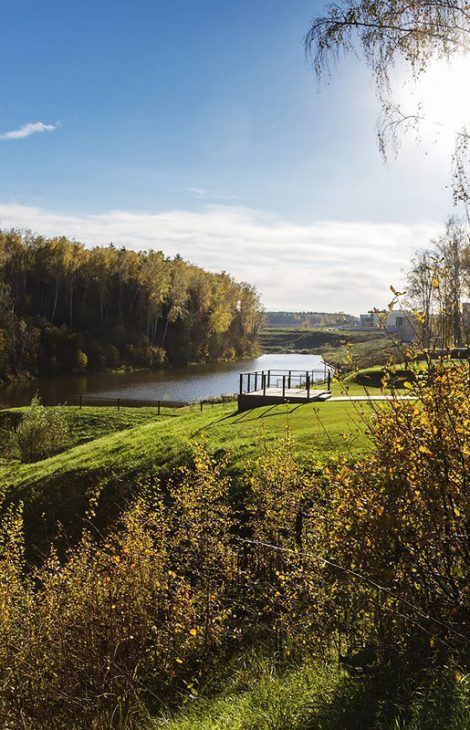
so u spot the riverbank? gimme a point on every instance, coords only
(195, 383)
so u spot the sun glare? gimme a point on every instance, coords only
(442, 96)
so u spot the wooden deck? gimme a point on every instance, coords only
(273, 396)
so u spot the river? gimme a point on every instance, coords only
(193, 383)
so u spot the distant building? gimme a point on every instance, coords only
(369, 321)
(397, 322)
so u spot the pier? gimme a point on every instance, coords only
(270, 387)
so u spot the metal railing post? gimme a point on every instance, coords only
(241, 383)
(249, 382)
(283, 386)
(290, 376)
(264, 384)
(308, 386)
(269, 378)
(329, 380)
(256, 380)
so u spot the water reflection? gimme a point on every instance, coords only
(182, 384)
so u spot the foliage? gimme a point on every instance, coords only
(436, 281)
(136, 612)
(41, 432)
(64, 307)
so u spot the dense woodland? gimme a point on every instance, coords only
(64, 307)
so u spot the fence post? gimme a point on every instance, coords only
(283, 386)
(249, 381)
(269, 378)
(329, 380)
(289, 381)
(119, 404)
(308, 386)
(202, 404)
(256, 380)
(264, 383)
(158, 408)
(241, 383)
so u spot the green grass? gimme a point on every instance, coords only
(257, 695)
(158, 441)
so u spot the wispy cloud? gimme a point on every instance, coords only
(324, 265)
(27, 130)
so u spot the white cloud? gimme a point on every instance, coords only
(326, 265)
(27, 130)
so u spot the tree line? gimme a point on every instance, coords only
(309, 319)
(65, 307)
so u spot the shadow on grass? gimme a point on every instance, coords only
(266, 413)
(384, 700)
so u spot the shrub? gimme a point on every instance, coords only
(41, 432)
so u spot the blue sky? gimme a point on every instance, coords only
(197, 127)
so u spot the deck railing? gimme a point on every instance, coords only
(285, 380)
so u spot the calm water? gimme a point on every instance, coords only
(182, 384)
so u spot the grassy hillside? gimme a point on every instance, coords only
(116, 450)
(104, 439)
(288, 339)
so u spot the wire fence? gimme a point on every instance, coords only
(159, 405)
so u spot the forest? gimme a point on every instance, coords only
(68, 308)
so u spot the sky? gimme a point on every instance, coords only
(198, 128)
